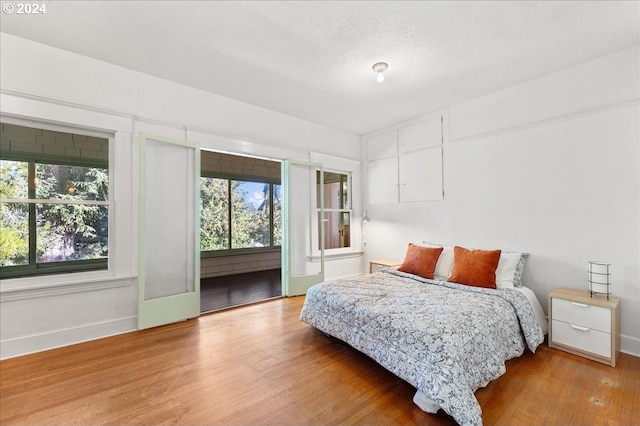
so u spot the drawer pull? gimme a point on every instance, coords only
(577, 327)
(582, 305)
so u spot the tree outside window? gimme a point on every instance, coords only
(239, 214)
(52, 215)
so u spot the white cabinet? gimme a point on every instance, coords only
(382, 156)
(585, 325)
(426, 133)
(383, 146)
(405, 164)
(383, 181)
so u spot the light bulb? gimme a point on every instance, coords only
(380, 67)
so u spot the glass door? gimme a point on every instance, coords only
(303, 227)
(169, 263)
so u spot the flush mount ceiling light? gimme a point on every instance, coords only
(380, 67)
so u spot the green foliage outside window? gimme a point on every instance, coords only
(64, 225)
(214, 214)
(237, 214)
(14, 229)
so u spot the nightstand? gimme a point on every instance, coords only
(585, 325)
(374, 265)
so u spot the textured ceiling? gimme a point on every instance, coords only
(313, 59)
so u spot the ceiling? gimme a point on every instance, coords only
(312, 59)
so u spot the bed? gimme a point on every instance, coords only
(445, 339)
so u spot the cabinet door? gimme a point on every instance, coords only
(421, 175)
(382, 146)
(420, 160)
(383, 181)
(406, 165)
(420, 135)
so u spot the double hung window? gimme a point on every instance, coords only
(54, 202)
(337, 209)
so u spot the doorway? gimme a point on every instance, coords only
(241, 230)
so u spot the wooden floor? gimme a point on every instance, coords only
(260, 365)
(240, 289)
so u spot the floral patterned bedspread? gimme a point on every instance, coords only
(445, 339)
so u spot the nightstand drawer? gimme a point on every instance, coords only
(581, 314)
(582, 338)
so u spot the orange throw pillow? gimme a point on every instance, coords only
(474, 267)
(420, 260)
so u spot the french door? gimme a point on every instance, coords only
(169, 226)
(303, 227)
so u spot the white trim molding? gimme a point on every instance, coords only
(15, 290)
(29, 344)
(630, 345)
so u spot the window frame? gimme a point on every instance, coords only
(244, 250)
(35, 269)
(349, 209)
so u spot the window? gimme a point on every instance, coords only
(239, 214)
(337, 209)
(54, 208)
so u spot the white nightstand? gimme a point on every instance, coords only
(374, 265)
(585, 325)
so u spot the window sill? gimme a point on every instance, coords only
(31, 288)
(338, 256)
(239, 252)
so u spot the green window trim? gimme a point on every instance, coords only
(50, 268)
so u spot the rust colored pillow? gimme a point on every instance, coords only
(474, 267)
(420, 260)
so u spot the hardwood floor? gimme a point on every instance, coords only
(260, 365)
(240, 289)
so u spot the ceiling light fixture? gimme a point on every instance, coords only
(380, 67)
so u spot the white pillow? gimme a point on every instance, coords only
(510, 269)
(445, 261)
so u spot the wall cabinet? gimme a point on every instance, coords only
(382, 162)
(405, 164)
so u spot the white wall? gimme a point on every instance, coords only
(57, 87)
(550, 167)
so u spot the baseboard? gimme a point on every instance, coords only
(630, 345)
(237, 272)
(12, 348)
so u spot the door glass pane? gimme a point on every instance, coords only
(169, 233)
(214, 214)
